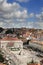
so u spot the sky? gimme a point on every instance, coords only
(21, 13)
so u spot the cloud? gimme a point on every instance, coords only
(14, 15)
(40, 20)
(31, 14)
(39, 25)
(40, 16)
(11, 13)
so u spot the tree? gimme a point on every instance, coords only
(1, 58)
(9, 32)
(1, 29)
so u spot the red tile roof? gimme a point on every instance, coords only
(10, 39)
(2, 64)
(33, 64)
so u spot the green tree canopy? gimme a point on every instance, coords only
(9, 32)
(1, 58)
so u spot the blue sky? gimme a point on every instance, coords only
(25, 13)
(32, 5)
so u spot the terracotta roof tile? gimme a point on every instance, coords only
(2, 64)
(9, 39)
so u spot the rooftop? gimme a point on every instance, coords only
(2, 64)
(8, 38)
